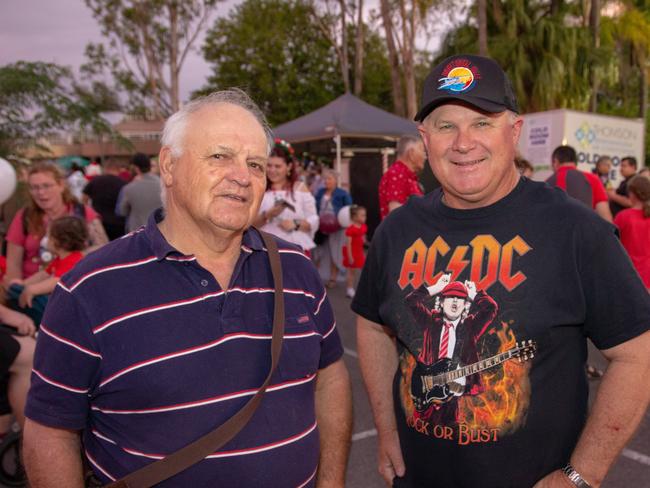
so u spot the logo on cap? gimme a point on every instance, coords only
(459, 76)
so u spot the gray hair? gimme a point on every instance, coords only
(405, 143)
(175, 125)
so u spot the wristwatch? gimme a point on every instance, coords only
(296, 224)
(575, 477)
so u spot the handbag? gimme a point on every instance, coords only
(196, 451)
(328, 223)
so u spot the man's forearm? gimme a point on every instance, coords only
(334, 415)
(378, 361)
(52, 457)
(620, 404)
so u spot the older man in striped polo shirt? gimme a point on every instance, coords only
(158, 338)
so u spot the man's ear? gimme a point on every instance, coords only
(166, 163)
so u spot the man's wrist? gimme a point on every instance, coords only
(574, 477)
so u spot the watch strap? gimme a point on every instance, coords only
(575, 477)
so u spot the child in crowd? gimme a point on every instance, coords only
(353, 255)
(66, 240)
(634, 226)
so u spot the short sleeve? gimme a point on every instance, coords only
(66, 365)
(600, 195)
(617, 302)
(15, 233)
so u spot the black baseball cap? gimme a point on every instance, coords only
(475, 80)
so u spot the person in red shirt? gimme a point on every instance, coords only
(401, 180)
(353, 255)
(634, 226)
(584, 187)
(67, 238)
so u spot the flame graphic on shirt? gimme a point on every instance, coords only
(506, 396)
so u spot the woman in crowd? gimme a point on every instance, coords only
(329, 201)
(50, 198)
(634, 226)
(288, 209)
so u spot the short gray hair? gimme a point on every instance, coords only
(177, 122)
(405, 143)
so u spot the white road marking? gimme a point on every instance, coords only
(636, 456)
(364, 435)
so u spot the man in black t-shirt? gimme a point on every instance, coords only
(537, 261)
(102, 192)
(619, 199)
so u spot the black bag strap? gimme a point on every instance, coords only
(199, 449)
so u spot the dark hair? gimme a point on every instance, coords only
(640, 186)
(631, 159)
(355, 209)
(283, 150)
(142, 162)
(69, 233)
(565, 154)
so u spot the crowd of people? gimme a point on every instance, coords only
(489, 267)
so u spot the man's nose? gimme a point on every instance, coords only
(463, 142)
(240, 172)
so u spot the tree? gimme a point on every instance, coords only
(39, 99)
(547, 58)
(403, 22)
(274, 50)
(147, 44)
(482, 27)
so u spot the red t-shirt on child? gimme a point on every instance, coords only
(356, 233)
(58, 267)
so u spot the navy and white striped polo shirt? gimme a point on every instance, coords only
(142, 349)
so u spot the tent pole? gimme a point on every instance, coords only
(337, 167)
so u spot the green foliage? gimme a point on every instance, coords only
(273, 50)
(39, 99)
(146, 44)
(546, 57)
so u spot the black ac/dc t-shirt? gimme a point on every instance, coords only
(547, 273)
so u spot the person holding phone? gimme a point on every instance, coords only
(288, 209)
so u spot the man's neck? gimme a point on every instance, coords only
(217, 250)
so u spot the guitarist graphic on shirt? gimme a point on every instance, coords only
(451, 329)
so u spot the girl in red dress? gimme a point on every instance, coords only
(353, 255)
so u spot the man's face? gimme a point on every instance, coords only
(627, 169)
(452, 307)
(472, 153)
(220, 177)
(418, 156)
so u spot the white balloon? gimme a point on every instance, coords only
(344, 217)
(7, 180)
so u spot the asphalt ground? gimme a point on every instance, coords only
(632, 468)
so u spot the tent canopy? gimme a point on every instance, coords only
(347, 116)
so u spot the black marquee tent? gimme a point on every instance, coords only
(347, 116)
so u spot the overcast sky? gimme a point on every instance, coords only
(58, 30)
